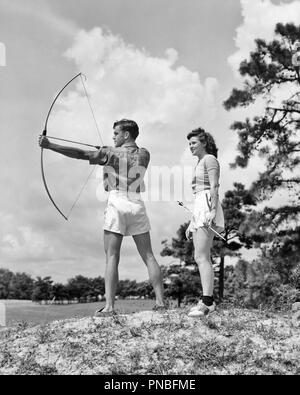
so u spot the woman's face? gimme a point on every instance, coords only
(197, 147)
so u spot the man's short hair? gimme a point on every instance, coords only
(129, 126)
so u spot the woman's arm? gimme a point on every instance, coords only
(213, 170)
(214, 188)
(71, 152)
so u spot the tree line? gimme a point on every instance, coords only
(81, 289)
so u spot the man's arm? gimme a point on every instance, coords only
(71, 152)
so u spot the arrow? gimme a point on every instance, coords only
(207, 226)
(74, 142)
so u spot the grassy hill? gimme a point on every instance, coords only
(230, 341)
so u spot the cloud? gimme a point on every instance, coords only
(21, 243)
(39, 10)
(259, 20)
(124, 81)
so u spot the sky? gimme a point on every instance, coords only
(168, 64)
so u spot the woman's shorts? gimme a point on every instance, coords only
(202, 207)
(126, 214)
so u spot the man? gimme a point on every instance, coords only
(125, 215)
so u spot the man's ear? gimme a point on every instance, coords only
(126, 135)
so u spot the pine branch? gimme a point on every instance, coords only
(284, 110)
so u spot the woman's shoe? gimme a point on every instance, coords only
(201, 310)
(197, 306)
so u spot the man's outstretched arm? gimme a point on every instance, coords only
(71, 152)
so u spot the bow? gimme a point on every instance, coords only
(45, 134)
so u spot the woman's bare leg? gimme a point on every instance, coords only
(203, 239)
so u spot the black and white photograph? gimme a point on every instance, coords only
(150, 190)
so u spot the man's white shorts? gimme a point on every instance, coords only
(126, 214)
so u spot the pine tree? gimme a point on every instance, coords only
(272, 71)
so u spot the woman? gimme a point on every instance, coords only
(207, 213)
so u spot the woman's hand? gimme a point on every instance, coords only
(44, 142)
(210, 218)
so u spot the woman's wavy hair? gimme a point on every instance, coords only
(207, 138)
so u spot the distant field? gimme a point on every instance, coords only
(35, 314)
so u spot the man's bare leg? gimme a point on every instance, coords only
(143, 243)
(112, 246)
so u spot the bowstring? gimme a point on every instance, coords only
(81, 191)
(91, 107)
(99, 133)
